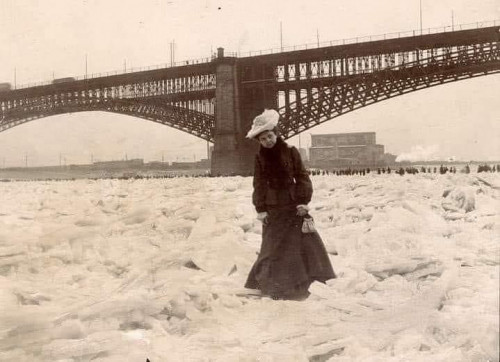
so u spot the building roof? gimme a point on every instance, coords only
(342, 134)
(341, 146)
(346, 146)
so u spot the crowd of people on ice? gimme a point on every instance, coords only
(402, 170)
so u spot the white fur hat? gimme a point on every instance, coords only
(264, 122)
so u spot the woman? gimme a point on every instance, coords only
(289, 260)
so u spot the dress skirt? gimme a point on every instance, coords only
(289, 260)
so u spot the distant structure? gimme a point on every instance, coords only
(139, 164)
(347, 149)
(116, 165)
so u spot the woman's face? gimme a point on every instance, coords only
(267, 139)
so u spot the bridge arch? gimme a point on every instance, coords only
(198, 124)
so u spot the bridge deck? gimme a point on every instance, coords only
(403, 44)
(422, 42)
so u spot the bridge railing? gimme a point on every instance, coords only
(364, 39)
(124, 71)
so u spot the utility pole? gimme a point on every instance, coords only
(172, 53)
(91, 158)
(26, 159)
(281, 35)
(60, 159)
(420, 17)
(86, 65)
(317, 36)
(125, 65)
(452, 21)
(162, 157)
(15, 78)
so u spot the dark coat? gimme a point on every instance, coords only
(289, 260)
(277, 169)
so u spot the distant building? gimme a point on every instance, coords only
(157, 165)
(115, 165)
(345, 149)
(204, 163)
(389, 158)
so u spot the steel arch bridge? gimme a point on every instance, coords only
(216, 99)
(334, 99)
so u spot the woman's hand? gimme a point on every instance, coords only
(262, 216)
(302, 210)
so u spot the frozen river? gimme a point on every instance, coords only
(124, 270)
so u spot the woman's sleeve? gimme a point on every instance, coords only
(303, 184)
(259, 187)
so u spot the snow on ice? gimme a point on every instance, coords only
(124, 270)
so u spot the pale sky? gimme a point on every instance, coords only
(45, 39)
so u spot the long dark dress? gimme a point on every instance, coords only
(289, 260)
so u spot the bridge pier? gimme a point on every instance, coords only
(234, 154)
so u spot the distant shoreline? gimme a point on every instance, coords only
(60, 173)
(146, 166)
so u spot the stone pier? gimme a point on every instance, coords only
(236, 107)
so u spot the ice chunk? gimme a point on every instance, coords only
(91, 347)
(69, 329)
(459, 199)
(225, 251)
(177, 308)
(137, 216)
(8, 298)
(89, 221)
